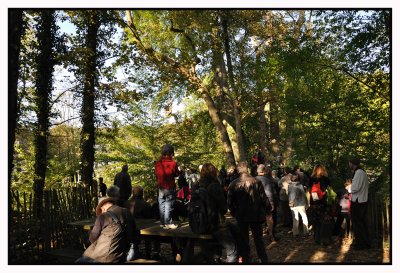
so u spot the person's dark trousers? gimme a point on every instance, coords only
(338, 224)
(275, 217)
(257, 230)
(286, 214)
(360, 224)
(317, 231)
(166, 200)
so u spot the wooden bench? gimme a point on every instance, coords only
(143, 261)
(64, 255)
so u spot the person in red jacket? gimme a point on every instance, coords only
(166, 171)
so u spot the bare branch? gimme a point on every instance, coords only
(64, 121)
(62, 93)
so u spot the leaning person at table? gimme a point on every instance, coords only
(133, 253)
(111, 234)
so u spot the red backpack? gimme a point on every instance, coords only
(316, 192)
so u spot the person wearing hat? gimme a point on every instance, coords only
(359, 204)
(111, 234)
(166, 170)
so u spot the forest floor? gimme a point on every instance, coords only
(291, 249)
(298, 250)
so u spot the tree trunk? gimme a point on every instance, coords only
(44, 85)
(274, 122)
(236, 106)
(164, 61)
(223, 133)
(263, 129)
(15, 31)
(90, 75)
(289, 127)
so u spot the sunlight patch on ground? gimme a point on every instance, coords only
(344, 249)
(318, 257)
(291, 254)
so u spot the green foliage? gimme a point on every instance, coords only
(330, 70)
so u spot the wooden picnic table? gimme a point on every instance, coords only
(150, 229)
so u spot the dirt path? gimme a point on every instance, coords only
(290, 249)
(297, 250)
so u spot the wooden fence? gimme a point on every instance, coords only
(29, 237)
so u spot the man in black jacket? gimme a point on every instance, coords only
(271, 198)
(247, 202)
(124, 183)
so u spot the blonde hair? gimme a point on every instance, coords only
(319, 171)
(348, 182)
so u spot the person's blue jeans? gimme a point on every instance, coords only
(224, 236)
(166, 200)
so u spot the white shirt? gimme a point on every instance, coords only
(359, 187)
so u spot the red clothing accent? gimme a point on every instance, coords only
(166, 171)
(184, 193)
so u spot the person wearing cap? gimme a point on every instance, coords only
(271, 205)
(359, 204)
(111, 234)
(124, 183)
(166, 170)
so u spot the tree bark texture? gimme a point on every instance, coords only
(15, 31)
(44, 85)
(88, 100)
(223, 133)
(274, 122)
(236, 106)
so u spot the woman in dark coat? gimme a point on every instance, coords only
(318, 206)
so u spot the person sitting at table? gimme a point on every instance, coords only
(141, 209)
(111, 234)
(222, 230)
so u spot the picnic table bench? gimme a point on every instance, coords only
(151, 230)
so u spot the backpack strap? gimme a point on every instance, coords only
(113, 216)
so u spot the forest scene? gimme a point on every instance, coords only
(91, 90)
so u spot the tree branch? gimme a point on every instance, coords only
(349, 74)
(62, 93)
(197, 60)
(62, 122)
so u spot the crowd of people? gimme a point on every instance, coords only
(228, 204)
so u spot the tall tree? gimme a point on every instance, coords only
(15, 31)
(46, 34)
(186, 70)
(88, 102)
